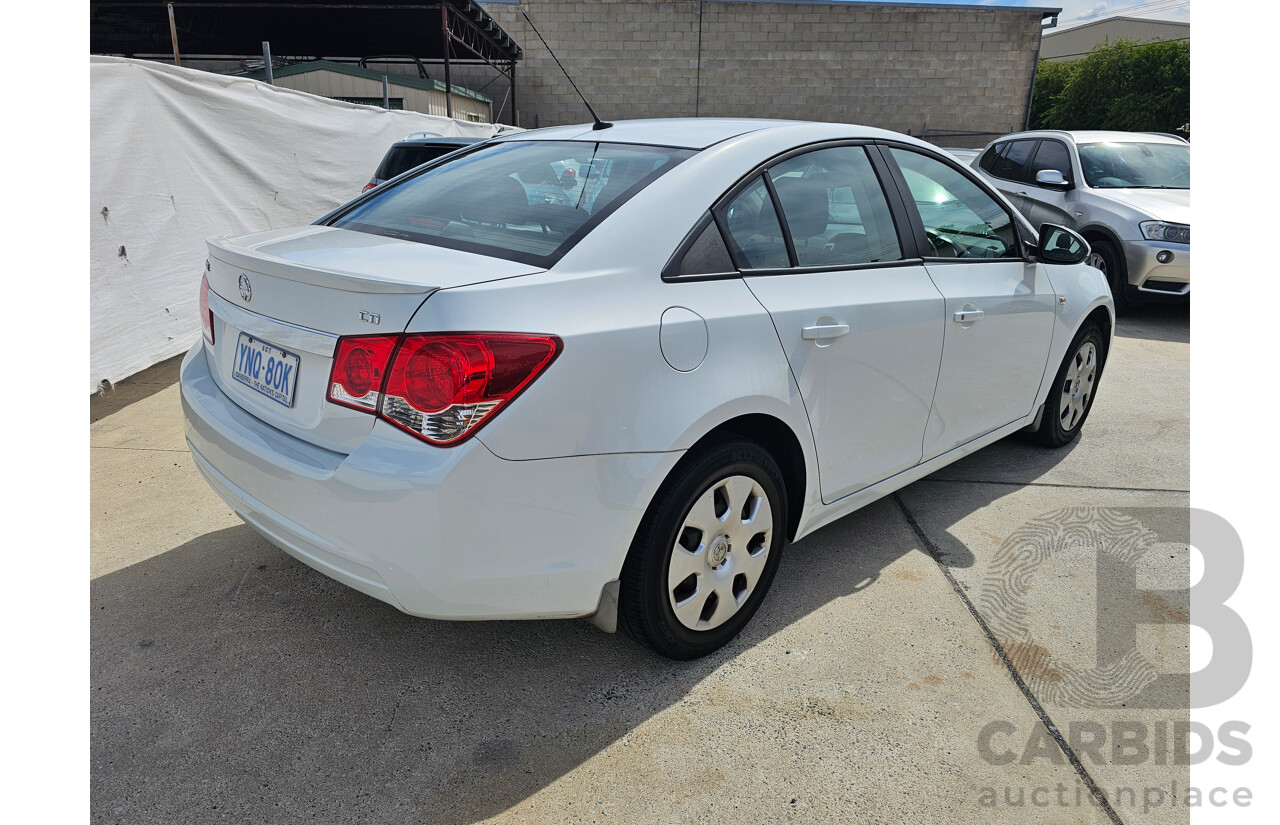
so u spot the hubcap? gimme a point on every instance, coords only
(720, 553)
(1077, 386)
(1097, 262)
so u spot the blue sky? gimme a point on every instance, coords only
(1076, 12)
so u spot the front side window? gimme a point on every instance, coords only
(527, 201)
(753, 224)
(1052, 154)
(960, 219)
(1136, 165)
(835, 209)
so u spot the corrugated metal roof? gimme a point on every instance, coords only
(426, 84)
(1077, 41)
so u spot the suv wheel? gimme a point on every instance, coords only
(1103, 256)
(706, 552)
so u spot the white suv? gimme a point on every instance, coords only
(1127, 193)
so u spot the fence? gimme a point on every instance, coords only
(958, 138)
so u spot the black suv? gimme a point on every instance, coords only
(412, 152)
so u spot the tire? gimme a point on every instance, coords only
(1103, 256)
(730, 562)
(1075, 386)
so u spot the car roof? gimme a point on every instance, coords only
(1095, 136)
(684, 133)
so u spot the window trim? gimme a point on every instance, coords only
(907, 243)
(913, 214)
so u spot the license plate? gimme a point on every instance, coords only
(267, 369)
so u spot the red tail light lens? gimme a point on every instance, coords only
(441, 387)
(359, 370)
(206, 317)
(444, 387)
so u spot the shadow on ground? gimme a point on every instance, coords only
(265, 684)
(1157, 322)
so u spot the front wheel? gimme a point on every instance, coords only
(706, 552)
(1072, 394)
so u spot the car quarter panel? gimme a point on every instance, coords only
(387, 518)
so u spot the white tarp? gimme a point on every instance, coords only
(178, 155)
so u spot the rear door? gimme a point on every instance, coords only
(1010, 170)
(857, 315)
(1000, 307)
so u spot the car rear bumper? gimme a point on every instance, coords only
(1153, 280)
(454, 533)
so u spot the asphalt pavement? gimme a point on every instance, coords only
(972, 649)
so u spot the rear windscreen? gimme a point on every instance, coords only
(527, 201)
(401, 159)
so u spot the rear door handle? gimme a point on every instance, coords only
(967, 316)
(1023, 194)
(820, 332)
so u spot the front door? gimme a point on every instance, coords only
(1000, 308)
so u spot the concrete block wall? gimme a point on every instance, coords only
(896, 67)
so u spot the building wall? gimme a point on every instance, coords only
(896, 67)
(1072, 44)
(334, 84)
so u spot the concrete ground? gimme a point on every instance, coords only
(231, 683)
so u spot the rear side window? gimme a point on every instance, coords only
(835, 209)
(1052, 154)
(526, 201)
(707, 255)
(991, 156)
(401, 159)
(1013, 163)
(753, 225)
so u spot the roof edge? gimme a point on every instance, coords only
(426, 85)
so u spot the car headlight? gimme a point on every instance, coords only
(1161, 231)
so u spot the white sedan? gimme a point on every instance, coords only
(472, 401)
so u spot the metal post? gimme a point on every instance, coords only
(173, 32)
(448, 45)
(266, 62)
(515, 116)
(386, 93)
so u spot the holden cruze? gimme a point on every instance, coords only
(473, 404)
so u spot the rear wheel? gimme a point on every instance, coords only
(706, 552)
(1071, 396)
(1104, 257)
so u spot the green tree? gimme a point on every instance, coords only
(1138, 87)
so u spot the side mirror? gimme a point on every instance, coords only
(1052, 179)
(1059, 245)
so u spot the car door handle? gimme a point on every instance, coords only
(822, 331)
(967, 316)
(1023, 193)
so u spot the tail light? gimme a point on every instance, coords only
(441, 387)
(359, 369)
(367, 187)
(206, 317)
